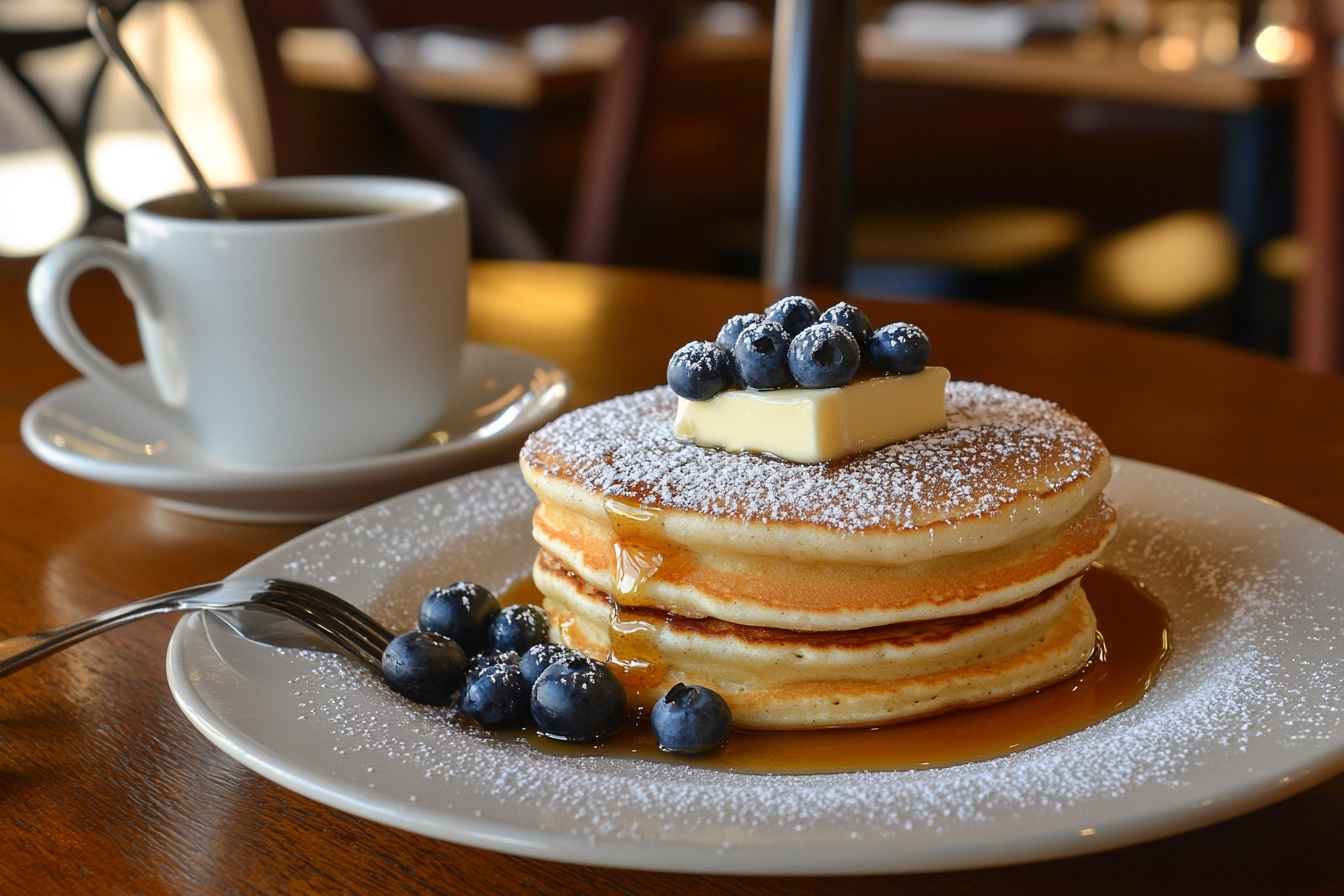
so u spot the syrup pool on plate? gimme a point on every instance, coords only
(1132, 643)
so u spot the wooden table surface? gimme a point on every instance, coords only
(105, 787)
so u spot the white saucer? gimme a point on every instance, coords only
(87, 430)
(1249, 709)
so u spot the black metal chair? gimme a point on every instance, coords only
(17, 42)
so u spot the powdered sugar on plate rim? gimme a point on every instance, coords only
(1249, 709)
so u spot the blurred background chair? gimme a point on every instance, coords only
(1318, 324)
(499, 227)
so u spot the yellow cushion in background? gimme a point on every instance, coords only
(1284, 258)
(1163, 267)
(984, 239)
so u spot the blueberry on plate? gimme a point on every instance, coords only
(691, 720)
(728, 333)
(499, 696)
(488, 658)
(822, 356)
(539, 658)
(899, 348)
(700, 370)
(519, 627)
(577, 699)
(852, 319)
(424, 667)
(794, 313)
(462, 611)
(762, 355)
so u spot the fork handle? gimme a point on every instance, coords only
(20, 650)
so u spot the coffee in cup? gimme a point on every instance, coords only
(325, 324)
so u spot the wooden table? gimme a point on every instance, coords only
(105, 787)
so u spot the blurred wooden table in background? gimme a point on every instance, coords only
(105, 787)
(519, 77)
(1255, 107)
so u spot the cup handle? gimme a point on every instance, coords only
(49, 297)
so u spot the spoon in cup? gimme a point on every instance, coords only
(103, 26)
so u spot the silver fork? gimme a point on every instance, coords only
(234, 601)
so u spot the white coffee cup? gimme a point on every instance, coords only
(283, 342)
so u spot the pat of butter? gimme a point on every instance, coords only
(809, 426)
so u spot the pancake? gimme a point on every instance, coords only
(784, 592)
(773, 678)
(931, 574)
(1007, 467)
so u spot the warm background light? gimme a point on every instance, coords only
(1281, 45)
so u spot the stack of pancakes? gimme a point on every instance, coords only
(935, 573)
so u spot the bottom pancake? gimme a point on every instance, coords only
(773, 678)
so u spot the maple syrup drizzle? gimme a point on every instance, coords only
(639, 549)
(1132, 643)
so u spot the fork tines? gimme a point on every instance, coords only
(355, 617)
(332, 624)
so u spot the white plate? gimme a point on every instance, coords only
(87, 430)
(1249, 710)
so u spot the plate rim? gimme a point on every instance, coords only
(748, 859)
(227, 478)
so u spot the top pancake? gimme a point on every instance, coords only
(1007, 466)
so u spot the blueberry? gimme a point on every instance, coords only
(485, 659)
(700, 370)
(736, 324)
(462, 611)
(852, 319)
(498, 697)
(691, 720)
(539, 658)
(519, 627)
(762, 355)
(577, 699)
(794, 313)
(822, 356)
(424, 667)
(899, 348)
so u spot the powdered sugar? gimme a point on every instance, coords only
(702, 357)
(998, 444)
(1254, 689)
